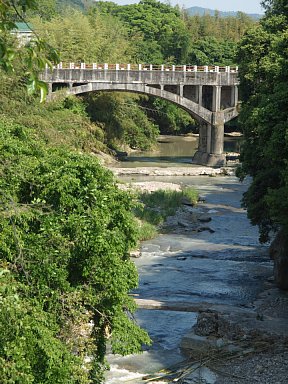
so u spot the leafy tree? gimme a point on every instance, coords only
(211, 50)
(66, 232)
(125, 123)
(46, 9)
(160, 26)
(78, 37)
(263, 73)
(36, 55)
(171, 119)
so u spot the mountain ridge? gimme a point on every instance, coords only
(193, 11)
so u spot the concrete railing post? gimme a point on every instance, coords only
(139, 67)
(205, 68)
(71, 65)
(106, 66)
(128, 67)
(184, 68)
(173, 68)
(117, 67)
(162, 67)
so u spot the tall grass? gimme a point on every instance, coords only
(155, 207)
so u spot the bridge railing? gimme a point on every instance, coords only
(146, 67)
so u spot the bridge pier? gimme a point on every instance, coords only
(211, 143)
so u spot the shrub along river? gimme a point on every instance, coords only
(222, 264)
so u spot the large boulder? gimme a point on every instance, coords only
(279, 253)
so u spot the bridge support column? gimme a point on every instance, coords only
(216, 101)
(211, 143)
(199, 94)
(234, 96)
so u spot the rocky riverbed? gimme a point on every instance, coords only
(233, 341)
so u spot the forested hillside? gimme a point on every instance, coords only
(65, 228)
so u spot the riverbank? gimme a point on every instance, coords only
(193, 170)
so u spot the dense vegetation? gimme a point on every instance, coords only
(66, 232)
(262, 59)
(65, 228)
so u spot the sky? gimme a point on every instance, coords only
(247, 6)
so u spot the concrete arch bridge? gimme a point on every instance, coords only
(208, 93)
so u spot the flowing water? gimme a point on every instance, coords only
(223, 265)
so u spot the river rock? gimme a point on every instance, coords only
(135, 254)
(202, 229)
(279, 253)
(186, 201)
(183, 224)
(201, 199)
(215, 324)
(204, 218)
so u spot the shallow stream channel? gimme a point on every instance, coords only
(221, 264)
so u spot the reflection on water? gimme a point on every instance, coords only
(174, 150)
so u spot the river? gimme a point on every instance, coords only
(223, 265)
(174, 151)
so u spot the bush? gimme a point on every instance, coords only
(65, 234)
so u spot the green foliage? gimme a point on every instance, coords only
(263, 73)
(62, 122)
(66, 232)
(36, 55)
(78, 37)
(170, 118)
(146, 230)
(156, 206)
(159, 27)
(212, 50)
(125, 123)
(230, 29)
(30, 350)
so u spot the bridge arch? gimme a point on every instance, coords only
(200, 113)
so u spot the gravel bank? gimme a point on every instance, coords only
(171, 171)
